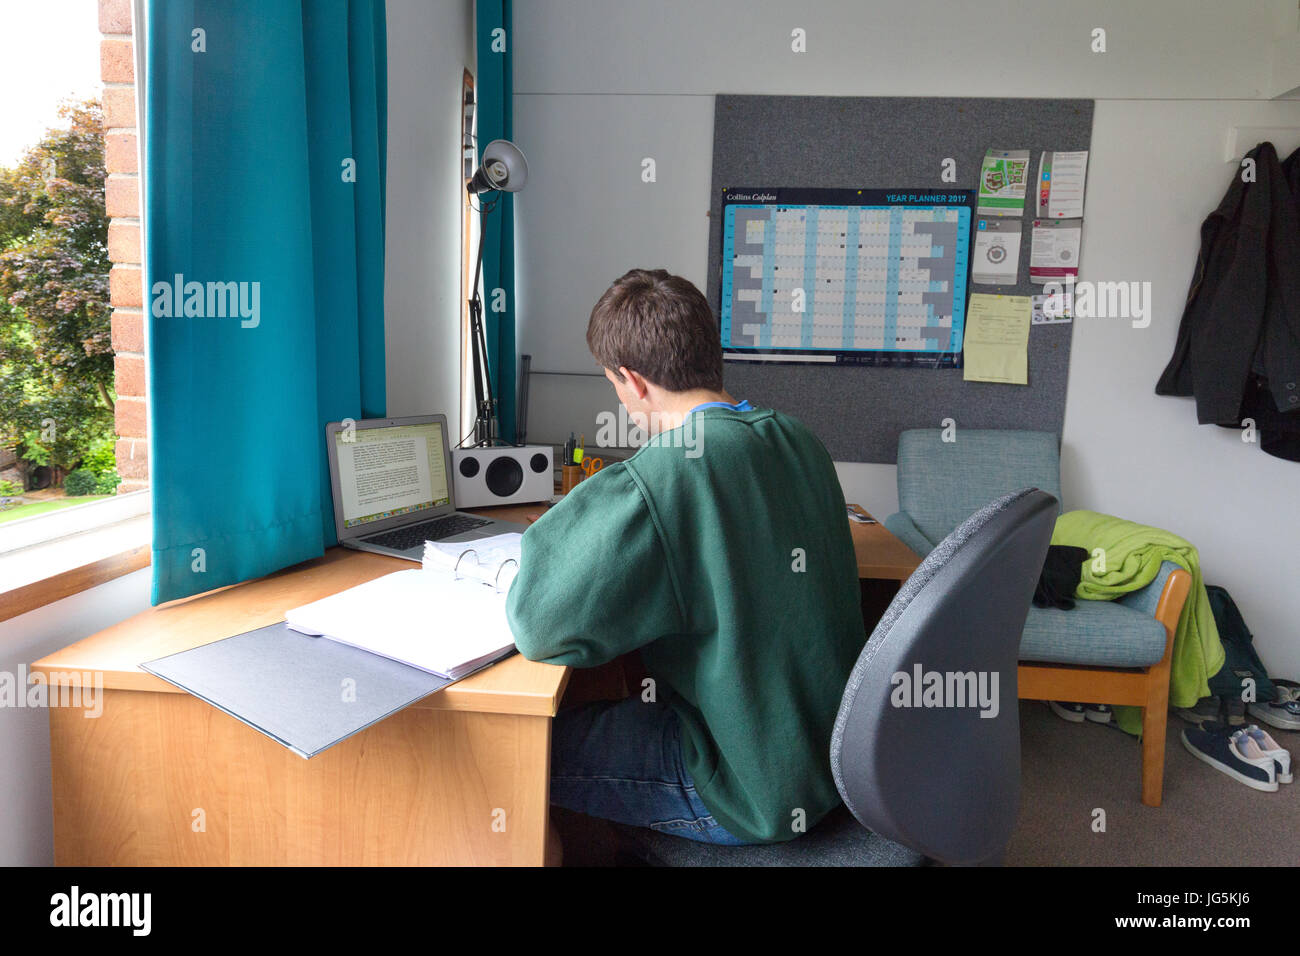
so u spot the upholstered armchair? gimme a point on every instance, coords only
(1105, 652)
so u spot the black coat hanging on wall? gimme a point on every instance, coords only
(1238, 348)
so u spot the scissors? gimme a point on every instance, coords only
(592, 465)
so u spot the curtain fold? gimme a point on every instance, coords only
(264, 232)
(495, 83)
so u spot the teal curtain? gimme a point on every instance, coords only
(495, 88)
(265, 138)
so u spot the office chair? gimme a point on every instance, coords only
(939, 783)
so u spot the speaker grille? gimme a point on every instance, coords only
(504, 476)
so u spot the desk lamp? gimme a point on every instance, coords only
(503, 169)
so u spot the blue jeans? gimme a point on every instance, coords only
(622, 761)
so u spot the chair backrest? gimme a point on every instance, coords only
(941, 483)
(926, 745)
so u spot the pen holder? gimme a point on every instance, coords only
(570, 475)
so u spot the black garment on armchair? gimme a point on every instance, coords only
(1240, 331)
(1062, 572)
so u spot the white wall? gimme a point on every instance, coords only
(600, 85)
(430, 44)
(1155, 48)
(1132, 453)
(1286, 54)
(26, 812)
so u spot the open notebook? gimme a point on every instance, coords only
(447, 617)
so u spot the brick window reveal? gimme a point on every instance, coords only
(122, 199)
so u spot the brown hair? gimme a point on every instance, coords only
(660, 326)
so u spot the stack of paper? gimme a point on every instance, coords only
(419, 617)
(493, 561)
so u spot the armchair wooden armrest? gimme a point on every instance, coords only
(1145, 687)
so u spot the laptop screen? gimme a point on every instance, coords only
(390, 471)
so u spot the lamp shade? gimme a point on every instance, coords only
(504, 167)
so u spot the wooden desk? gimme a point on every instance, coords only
(432, 784)
(461, 777)
(884, 563)
(881, 556)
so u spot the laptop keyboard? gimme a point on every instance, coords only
(412, 536)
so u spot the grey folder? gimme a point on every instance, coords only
(293, 688)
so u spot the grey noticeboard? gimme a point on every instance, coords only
(893, 143)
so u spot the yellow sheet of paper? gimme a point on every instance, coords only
(995, 347)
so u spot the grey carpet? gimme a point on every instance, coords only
(1068, 771)
(1207, 818)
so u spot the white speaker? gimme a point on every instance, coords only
(502, 476)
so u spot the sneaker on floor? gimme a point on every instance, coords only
(1234, 709)
(1220, 750)
(1248, 748)
(1283, 712)
(1268, 746)
(1206, 711)
(1097, 713)
(1067, 710)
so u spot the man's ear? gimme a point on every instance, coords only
(636, 382)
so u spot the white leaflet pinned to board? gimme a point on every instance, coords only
(996, 260)
(1052, 309)
(1054, 250)
(1061, 179)
(1004, 175)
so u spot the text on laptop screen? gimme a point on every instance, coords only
(386, 472)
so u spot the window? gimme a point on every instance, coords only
(73, 452)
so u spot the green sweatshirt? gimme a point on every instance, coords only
(722, 550)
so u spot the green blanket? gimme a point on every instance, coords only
(1133, 554)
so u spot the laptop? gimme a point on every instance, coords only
(392, 485)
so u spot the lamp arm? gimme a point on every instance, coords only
(484, 424)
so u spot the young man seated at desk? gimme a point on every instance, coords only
(722, 551)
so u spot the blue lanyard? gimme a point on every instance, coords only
(740, 406)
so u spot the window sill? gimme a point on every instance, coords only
(43, 572)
